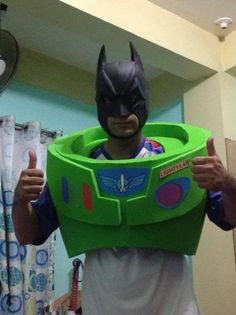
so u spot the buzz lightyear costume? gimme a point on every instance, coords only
(135, 219)
(144, 203)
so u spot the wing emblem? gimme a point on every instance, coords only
(122, 182)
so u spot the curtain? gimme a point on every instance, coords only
(26, 272)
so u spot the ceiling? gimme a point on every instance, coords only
(202, 13)
(41, 26)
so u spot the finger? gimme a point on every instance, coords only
(32, 196)
(198, 169)
(200, 160)
(33, 189)
(202, 182)
(34, 180)
(200, 177)
(32, 159)
(211, 147)
(32, 172)
(203, 185)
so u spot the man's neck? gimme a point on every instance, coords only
(120, 149)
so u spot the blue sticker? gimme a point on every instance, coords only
(65, 189)
(172, 193)
(122, 182)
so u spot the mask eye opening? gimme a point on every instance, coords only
(134, 97)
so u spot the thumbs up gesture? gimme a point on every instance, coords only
(208, 171)
(32, 160)
(31, 181)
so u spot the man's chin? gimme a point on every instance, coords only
(124, 136)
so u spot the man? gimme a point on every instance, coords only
(126, 281)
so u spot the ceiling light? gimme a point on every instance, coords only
(223, 27)
(224, 22)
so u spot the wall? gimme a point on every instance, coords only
(55, 76)
(211, 105)
(58, 112)
(53, 110)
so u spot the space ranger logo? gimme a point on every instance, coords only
(174, 168)
(122, 182)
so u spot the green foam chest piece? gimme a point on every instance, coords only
(149, 202)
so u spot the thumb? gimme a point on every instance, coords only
(211, 147)
(32, 159)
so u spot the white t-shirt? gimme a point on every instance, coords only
(135, 281)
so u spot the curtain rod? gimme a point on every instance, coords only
(52, 134)
(25, 126)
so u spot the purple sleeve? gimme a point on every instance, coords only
(215, 210)
(46, 213)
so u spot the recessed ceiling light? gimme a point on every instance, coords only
(224, 22)
(223, 27)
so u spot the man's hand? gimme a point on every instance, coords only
(31, 181)
(208, 171)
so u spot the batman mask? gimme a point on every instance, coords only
(121, 89)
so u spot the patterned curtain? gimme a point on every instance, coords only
(26, 272)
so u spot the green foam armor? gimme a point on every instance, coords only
(149, 202)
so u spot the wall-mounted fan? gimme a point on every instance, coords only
(9, 54)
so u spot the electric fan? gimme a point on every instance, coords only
(9, 54)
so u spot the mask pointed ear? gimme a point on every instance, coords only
(102, 59)
(135, 56)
